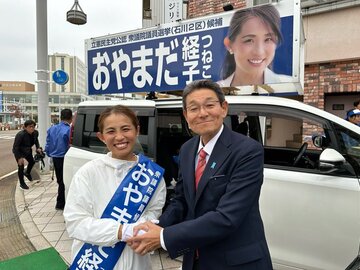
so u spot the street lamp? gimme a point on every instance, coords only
(76, 15)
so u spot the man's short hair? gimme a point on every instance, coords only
(203, 84)
(66, 114)
(29, 123)
(356, 103)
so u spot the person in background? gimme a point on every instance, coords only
(57, 144)
(357, 104)
(108, 195)
(214, 218)
(22, 149)
(353, 116)
(253, 36)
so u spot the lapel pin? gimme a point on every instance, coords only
(213, 165)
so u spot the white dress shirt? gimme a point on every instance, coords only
(269, 78)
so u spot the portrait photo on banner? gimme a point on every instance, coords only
(258, 48)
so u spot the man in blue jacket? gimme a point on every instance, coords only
(214, 218)
(57, 144)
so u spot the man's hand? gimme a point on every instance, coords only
(148, 241)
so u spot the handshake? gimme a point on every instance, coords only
(142, 237)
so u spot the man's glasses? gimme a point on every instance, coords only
(207, 106)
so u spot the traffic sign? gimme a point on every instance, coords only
(60, 77)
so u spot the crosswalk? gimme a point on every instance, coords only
(7, 137)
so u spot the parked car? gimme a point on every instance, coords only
(310, 199)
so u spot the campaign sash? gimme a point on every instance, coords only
(126, 206)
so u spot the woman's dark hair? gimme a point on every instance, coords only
(267, 13)
(202, 84)
(118, 109)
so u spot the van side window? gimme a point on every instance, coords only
(86, 125)
(142, 145)
(248, 124)
(349, 145)
(144, 124)
(90, 139)
(172, 132)
(287, 137)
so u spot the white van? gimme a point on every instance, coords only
(310, 199)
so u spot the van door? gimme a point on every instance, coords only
(172, 131)
(311, 217)
(86, 128)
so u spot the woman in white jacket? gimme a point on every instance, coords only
(94, 185)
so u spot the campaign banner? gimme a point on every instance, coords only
(169, 56)
(173, 10)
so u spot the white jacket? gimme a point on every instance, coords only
(90, 191)
(270, 77)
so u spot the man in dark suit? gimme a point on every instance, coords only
(213, 221)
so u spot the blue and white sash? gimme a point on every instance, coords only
(126, 206)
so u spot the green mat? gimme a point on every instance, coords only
(46, 259)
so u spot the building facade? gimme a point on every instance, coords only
(16, 86)
(332, 57)
(13, 97)
(74, 67)
(18, 105)
(19, 100)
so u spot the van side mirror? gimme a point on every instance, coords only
(319, 141)
(330, 160)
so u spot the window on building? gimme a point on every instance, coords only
(146, 9)
(62, 63)
(28, 99)
(260, 2)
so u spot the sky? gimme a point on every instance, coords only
(18, 31)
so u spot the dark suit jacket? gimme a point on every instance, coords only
(221, 219)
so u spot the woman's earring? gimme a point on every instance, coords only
(231, 51)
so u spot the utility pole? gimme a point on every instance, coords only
(42, 72)
(42, 69)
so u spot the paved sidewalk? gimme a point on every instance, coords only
(45, 226)
(13, 241)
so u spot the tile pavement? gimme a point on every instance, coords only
(13, 241)
(45, 226)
